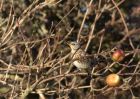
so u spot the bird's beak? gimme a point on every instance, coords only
(68, 43)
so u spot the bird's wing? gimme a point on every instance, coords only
(81, 56)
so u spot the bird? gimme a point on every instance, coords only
(80, 57)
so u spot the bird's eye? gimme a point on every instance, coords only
(73, 44)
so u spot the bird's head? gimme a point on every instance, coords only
(74, 45)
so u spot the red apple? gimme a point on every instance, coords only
(118, 55)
